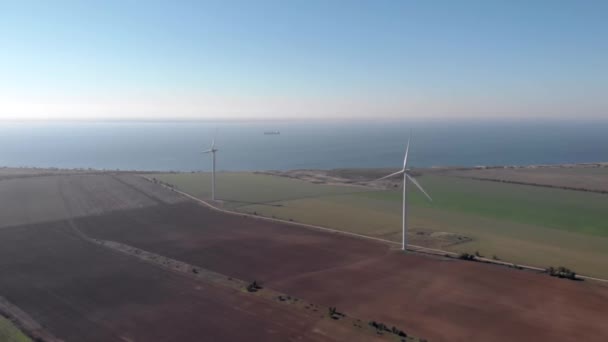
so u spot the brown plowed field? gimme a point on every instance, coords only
(83, 292)
(439, 299)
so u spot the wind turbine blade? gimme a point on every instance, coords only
(207, 151)
(419, 186)
(407, 150)
(400, 172)
(213, 141)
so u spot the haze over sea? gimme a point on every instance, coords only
(176, 146)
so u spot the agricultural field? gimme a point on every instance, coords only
(48, 198)
(584, 177)
(438, 298)
(57, 267)
(79, 290)
(13, 171)
(10, 333)
(239, 189)
(83, 292)
(517, 223)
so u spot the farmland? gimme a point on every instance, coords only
(82, 291)
(238, 189)
(440, 299)
(518, 223)
(48, 198)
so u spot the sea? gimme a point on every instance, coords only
(243, 145)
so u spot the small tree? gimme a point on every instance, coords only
(467, 256)
(254, 286)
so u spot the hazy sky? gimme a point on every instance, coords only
(300, 59)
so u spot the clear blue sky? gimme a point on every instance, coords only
(292, 59)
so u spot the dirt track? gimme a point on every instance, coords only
(440, 299)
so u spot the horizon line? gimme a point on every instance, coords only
(309, 119)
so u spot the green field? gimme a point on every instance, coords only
(241, 189)
(517, 223)
(10, 333)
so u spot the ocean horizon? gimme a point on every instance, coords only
(177, 145)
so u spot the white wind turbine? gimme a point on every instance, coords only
(212, 150)
(406, 176)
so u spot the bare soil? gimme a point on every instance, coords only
(437, 298)
(47, 198)
(347, 322)
(84, 292)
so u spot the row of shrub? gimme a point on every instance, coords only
(382, 327)
(472, 257)
(334, 313)
(562, 272)
(254, 286)
(379, 326)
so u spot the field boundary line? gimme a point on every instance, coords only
(540, 185)
(414, 248)
(172, 265)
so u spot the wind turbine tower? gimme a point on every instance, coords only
(406, 176)
(212, 150)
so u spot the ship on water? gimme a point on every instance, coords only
(272, 133)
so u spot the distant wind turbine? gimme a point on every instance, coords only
(406, 176)
(212, 150)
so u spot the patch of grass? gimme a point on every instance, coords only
(10, 333)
